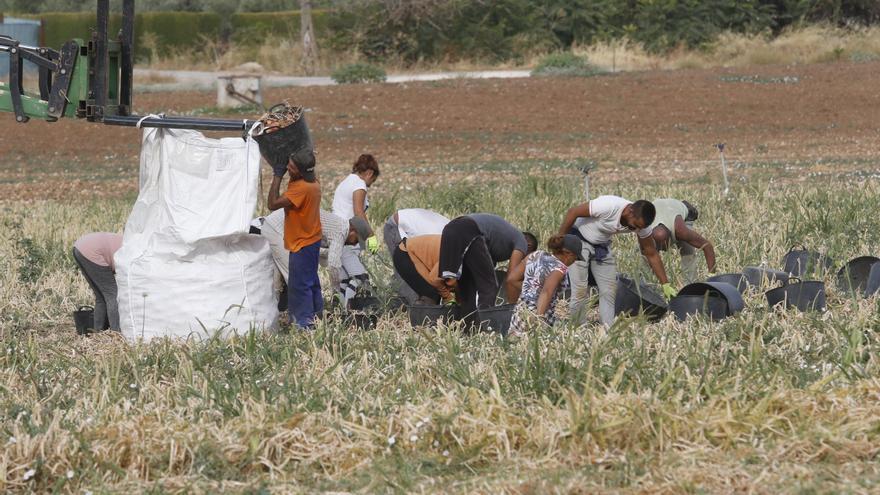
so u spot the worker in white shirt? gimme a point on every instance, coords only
(595, 222)
(350, 200)
(674, 227)
(336, 234)
(406, 223)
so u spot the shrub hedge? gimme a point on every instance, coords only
(179, 30)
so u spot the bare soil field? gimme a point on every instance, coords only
(785, 122)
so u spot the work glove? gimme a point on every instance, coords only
(372, 244)
(668, 290)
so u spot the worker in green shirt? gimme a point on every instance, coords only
(674, 226)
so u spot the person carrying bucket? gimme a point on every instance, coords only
(674, 225)
(93, 254)
(540, 279)
(349, 201)
(336, 233)
(594, 223)
(302, 236)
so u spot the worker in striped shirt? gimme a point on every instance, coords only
(336, 233)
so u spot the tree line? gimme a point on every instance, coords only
(415, 30)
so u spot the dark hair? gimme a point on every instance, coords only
(556, 243)
(366, 162)
(645, 210)
(531, 241)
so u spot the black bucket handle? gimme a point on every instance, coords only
(85, 308)
(801, 246)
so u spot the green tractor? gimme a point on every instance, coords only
(89, 80)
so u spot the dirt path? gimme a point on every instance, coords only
(786, 122)
(189, 80)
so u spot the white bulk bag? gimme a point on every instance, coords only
(187, 265)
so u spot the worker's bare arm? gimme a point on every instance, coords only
(514, 280)
(692, 237)
(275, 200)
(572, 215)
(649, 250)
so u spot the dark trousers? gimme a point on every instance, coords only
(455, 241)
(304, 300)
(103, 284)
(404, 267)
(477, 279)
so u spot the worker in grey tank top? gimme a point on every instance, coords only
(674, 226)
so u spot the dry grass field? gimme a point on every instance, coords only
(765, 402)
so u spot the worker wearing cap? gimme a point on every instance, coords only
(335, 233)
(301, 203)
(674, 226)
(539, 281)
(594, 223)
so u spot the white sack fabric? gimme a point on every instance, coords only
(187, 265)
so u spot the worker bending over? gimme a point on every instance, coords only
(594, 223)
(417, 260)
(406, 223)
(674, 225)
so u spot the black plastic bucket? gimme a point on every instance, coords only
(277, 144)
(500, 277)
(722, 290)
(805, 296)
(84, 320)
(421, 315)
(873, 284)
(633, 299)
(799, 262)
(737, 280)
(712, 306)
(760, 276)
(363, 321)
(364, 303)
(497, 319)
(853, 277)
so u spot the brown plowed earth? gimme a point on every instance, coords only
(789, 123)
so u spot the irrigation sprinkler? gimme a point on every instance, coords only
(586, 169)
(720, 147)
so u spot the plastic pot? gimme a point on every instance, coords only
(429, 314)
(761, 276)
(712, 306)
(723, 290)
(853, 277)
(497, 319)
(799, 261)
(500, 276)
(737, 280)
(362, 321)
(873, 284)
(805, 296)
(364, 303)
(634, 298)
(84, 320)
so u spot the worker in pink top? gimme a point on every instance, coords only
(94, 255)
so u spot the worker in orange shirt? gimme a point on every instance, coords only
(302, 236)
